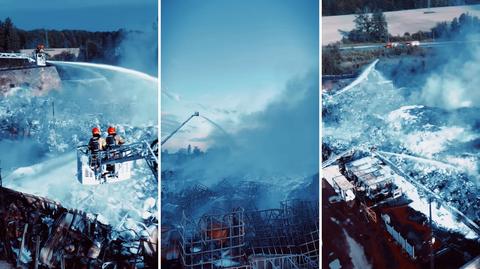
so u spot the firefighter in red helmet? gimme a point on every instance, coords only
(113, 141)
(95, 145)
(40, 48)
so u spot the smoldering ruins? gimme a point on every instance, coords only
(418, 117)
(40, 233)
(251, 199)
(49, 217)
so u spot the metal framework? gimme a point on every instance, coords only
(192, 196)
(283, 238)
(121, 154)
(303, 224)
(293, 229)
(282, 262)
(266, 232)
(214, 241)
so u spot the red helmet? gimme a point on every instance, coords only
(95, 131)
(111, 130)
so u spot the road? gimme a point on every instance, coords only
(422, 44)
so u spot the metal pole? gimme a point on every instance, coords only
(62, 262)
(432, 262)
(22, 245)
(37, 251)
(3, 235)
(46, 39)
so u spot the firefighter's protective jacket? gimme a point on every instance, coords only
(114, 140)
(96, 144)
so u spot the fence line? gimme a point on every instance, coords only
(402, 241)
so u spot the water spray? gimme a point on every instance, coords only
(423, 160)
(363, 76)
(110, 67)
(215, 124)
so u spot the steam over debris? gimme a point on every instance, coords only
(417, 115)
(251, 199)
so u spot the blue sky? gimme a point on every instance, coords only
(227, 58)
(92, 15)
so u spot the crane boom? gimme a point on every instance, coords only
(195, 114)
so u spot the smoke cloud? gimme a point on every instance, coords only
(282, 140)
(455, 84)
(139, 50)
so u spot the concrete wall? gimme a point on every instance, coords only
(39, 79)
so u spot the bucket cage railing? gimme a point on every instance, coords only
(89, 162)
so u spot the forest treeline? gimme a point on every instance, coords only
(94, 46)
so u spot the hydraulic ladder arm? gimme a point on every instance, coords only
(195, 114)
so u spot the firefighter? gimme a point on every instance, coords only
(113, 141)
(40, 48)
(95, 145)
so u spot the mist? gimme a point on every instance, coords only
(40, 126)
(276, 147)
(139, 50)
(42, 131)
(455, 83)
(422, 110)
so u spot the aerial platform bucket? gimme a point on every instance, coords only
(113, 165)
(100, 174)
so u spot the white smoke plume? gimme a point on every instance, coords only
(280, 141)
(455, 83)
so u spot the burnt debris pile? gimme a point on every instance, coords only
(40, 233)
(286, 236)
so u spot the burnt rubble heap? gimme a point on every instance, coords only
(39, 233)
(220, 227)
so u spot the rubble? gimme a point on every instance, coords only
(412, 224)
(41, 233)
(227, 222)
(460, 193)
(287, 236)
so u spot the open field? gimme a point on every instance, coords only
(399, 22)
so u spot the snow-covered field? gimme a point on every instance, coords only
(399, 22)
(42, 157)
